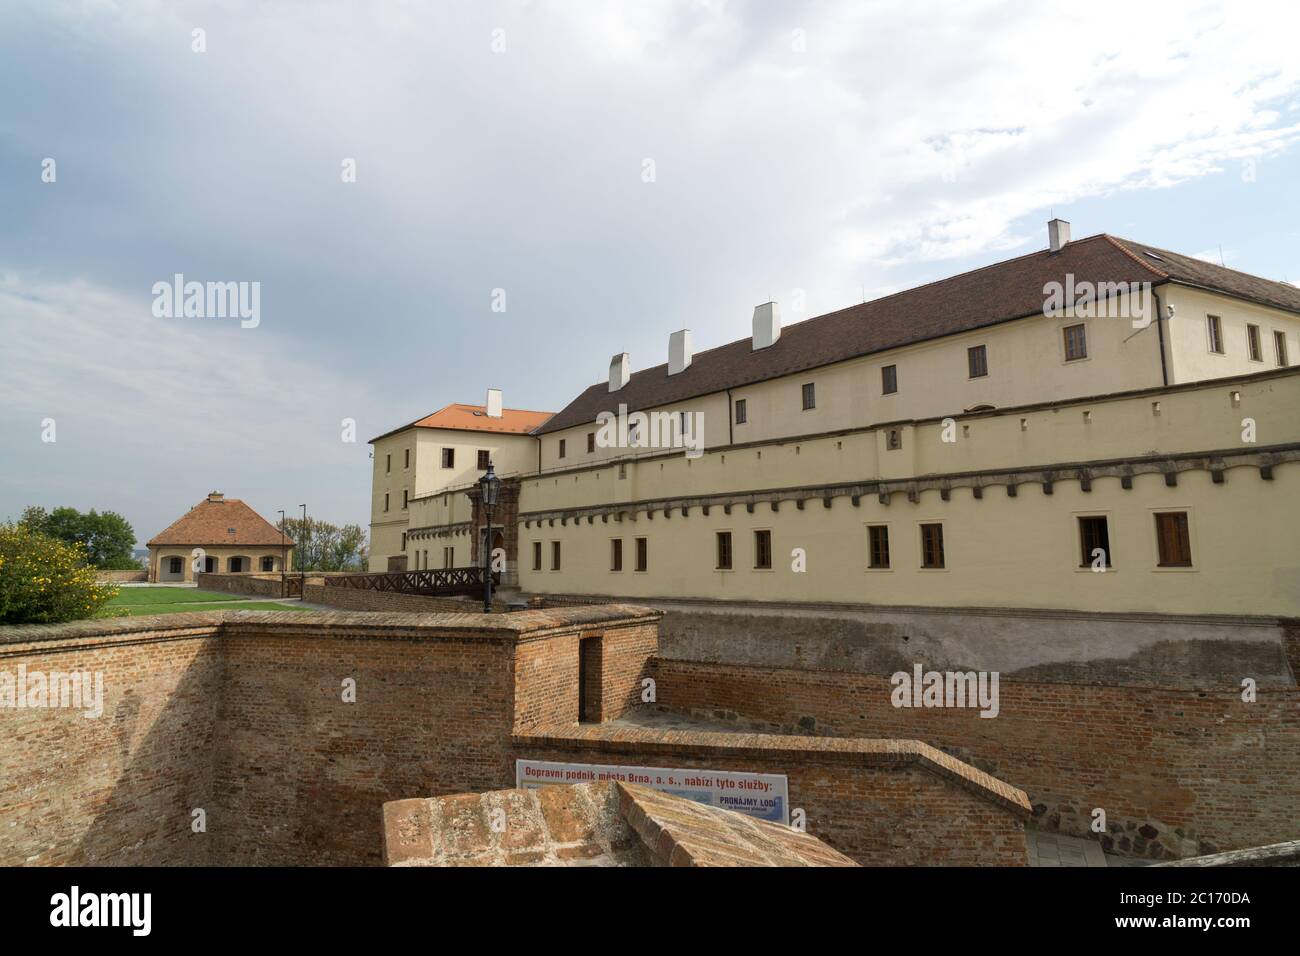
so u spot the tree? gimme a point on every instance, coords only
(107, 537)
(321, 546)
(45, 581)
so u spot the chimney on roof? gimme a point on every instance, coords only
(493, 408)
(216, 496)
(680, 350)
(618, 371)
(1058, 234)
(767, 325)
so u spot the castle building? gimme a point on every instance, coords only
(1098, 426)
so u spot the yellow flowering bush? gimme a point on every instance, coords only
(44, 581)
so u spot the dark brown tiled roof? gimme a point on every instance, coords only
(973, 300)
(209, 523)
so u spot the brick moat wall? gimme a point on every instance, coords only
(1178, 772)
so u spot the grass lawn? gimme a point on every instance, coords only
(130, 597)
(134, 602)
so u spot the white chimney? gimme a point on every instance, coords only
(767, 325)
(619, 371)
(680, 350)
(1058, 234)
(494, 403)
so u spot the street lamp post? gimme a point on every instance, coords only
(491, 487)
(302, 564)
(282, 553)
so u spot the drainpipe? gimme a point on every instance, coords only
(1160, 335)
(731, 419)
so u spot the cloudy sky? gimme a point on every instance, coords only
(620, 170)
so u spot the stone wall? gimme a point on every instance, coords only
(1178, 771)
(121, 577)
(258, 584)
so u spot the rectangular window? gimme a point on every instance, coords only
(591, 442)
(484, 459)
(1215, 331)
(388, 464)
(403, 540)
(537, 556)
(742, 412)
(408, 459)
(878, 545)
(555, 555)
(642, 554)
(1253, 344)
(561, 447)
(889, 380)
(809, 396)
(932, 546)
(1094, 543)
(977, 359)
(385, 501)
(449, 557)
(1279, 348)
(449, 458)
(1172, 539)
(1076, 342)
(268, 564)
(406, 498)
(724, 551)
(174, 565)
(762, 549)
(616, 554)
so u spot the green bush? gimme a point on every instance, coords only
(44, 581)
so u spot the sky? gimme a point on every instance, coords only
(438, 198)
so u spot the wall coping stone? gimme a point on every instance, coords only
(857, 751)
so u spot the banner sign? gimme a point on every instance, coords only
(762, 795)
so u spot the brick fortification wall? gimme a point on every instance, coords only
(1178, 771)
(243, 715)
(290, 730)
(355, 599)
(118, 789)
(881, 802)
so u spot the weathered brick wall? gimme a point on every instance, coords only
(355, 599)
(302, 773)
(881, 803)
(243, 715)
(118, 789)
(1178, 772)
(546, 673)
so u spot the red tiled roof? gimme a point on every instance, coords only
(474, 418)
(987, 296)
(223, 522)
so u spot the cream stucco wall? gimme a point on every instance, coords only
(158, 562)
(1012, 551)
(1189, 341)
(407, 485)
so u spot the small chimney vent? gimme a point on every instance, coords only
(680, 350)
(1058, 234)
(767, 325)
(619, 371)
(493, 403)
(216, 496)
